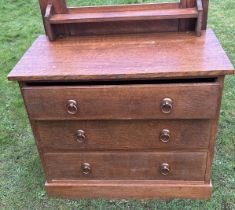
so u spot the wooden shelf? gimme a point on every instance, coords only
(185, 15)
(124, 15)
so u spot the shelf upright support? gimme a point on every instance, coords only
(49, 7)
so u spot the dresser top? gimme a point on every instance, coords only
(122, 57)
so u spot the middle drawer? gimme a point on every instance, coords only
(123, 134)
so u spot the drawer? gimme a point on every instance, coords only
(123, 134)
(126, 165)
(145, 101)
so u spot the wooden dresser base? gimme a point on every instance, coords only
(129, 189)
(125, 116)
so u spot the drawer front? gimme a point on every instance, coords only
(126, 165)
(123, 134)
(160, 101)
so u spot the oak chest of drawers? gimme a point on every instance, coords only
(125, 116)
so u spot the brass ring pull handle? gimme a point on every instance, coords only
(80, 136)
(165, 135)
(86, 168)
(166, 105)
(72, 107)
(165, 169)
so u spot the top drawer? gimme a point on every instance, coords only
(139, 101)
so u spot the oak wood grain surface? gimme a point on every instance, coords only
(141, 56)
(184, 15)
(126, 26)
(127, 135)
(124, 15)
(214, 130)
(120, 27)
(126, 165)
(190, 101)
(123, 7)
(130, 189)
(95, 102)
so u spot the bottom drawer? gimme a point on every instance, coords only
(126, 165)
